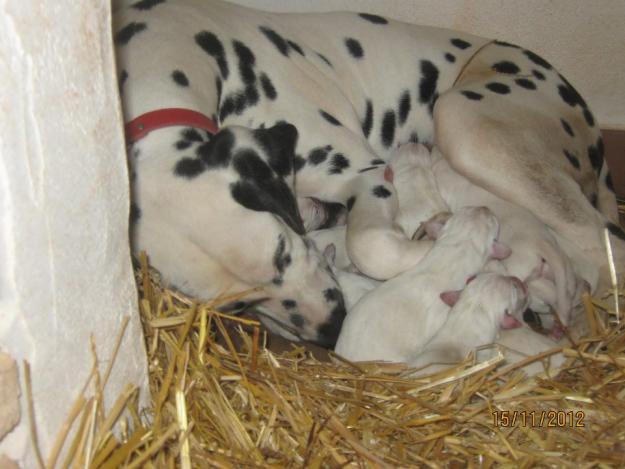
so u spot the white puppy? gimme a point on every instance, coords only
(487, 304)
(415, 183)
(536, 256)
(397, 319)
(519, 344)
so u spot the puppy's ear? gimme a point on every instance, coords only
(450, 298)
(435, 224)
(500, 251)
(330, 254)
(510, 322)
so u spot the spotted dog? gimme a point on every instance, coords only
(502, 116)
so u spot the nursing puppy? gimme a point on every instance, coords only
(417, 191)
(536, 255)
(397, 319)
(487, 304)
(518, 344)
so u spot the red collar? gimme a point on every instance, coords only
(139, 127)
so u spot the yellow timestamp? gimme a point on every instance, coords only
(541, 418)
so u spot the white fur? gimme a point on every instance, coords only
(475, 319)
(554, 284)
(397, 319)
(415, 183)
(519, 344)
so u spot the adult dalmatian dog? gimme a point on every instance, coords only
(311, 105)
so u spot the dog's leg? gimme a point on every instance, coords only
(513, 150)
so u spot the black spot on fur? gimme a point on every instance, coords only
(414, 137)
(325, 59)
(354, 48)
(182, 144)
(350, 203)
(429, 78)
(260, 191)
(569, 94)
(387, 132)
(507, 67)
(572, 158)
(404, 107)
(226, 108)
(276, 40)
(368, 168)
(180, 78)
(432, 103)
(123, 76)
(250, 165)
(297, 320)
(595, 155)
(608, 182)
(281, 260)
(537, 59)
(367, 124)
(219, 89)
(338, 164)
(567, 128)
(377, 161)
(460, 43)
(375, 19)
(213, 47)
(251, 96)
(506, 44)
(146, 4)
(319, 155)
(330, 118)
(615, 230)
(189, 167)
(525, 83)
(124, 35)
(135, 213)
(192, 135)
(472, 95)
(332, 294)
(217, 152)
(247, 61)
(498, 88)
(298, 163)
(538, 74)
(590, 120)
(451, 58)
(296, 47)
(279, 143)
(268, 88)
(328, 333)
(381, 192)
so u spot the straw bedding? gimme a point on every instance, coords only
(222, 399)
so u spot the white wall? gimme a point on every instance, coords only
(65, 268)
(582, 38)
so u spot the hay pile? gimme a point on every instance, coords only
(222, 399)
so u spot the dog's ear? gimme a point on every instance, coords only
(500, 251)
(450, 298)
(330, 254)
(510, 322)
(435, 224)
(279, 144)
